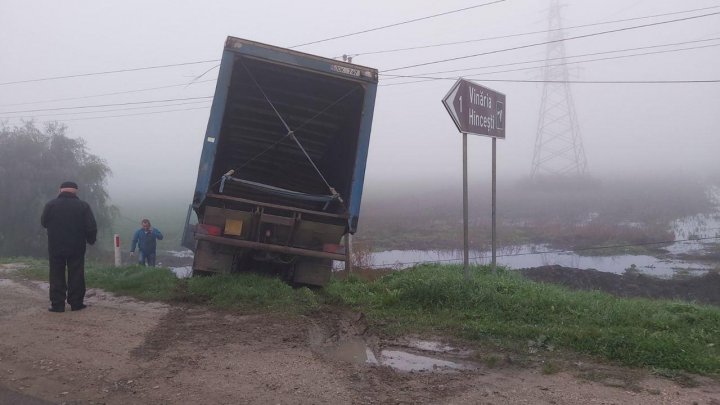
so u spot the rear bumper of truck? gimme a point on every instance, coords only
(270, 247)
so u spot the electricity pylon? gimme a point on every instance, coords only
(559, 148)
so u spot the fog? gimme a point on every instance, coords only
(647, 130)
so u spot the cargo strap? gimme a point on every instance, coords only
(291, 133)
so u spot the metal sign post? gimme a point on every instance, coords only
(493, 206)
(466, 243)
(481, 111)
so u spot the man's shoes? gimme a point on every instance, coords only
(56, 309)
(78, 308)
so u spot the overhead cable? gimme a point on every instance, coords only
(341, 36)
(482, 75)
(130, 115)
(701, 81)
(109, 110)
(524, 33)
(397, 24)
(391, 76)
(105, 94)
(109, 72)
(398, 76)
(107, 105)
(550, 42)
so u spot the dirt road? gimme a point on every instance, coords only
(121, 351)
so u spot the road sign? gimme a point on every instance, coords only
(476, 109)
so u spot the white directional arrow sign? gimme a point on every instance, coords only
(476, 109)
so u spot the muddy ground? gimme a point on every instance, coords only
(121, 351)
(703, 289)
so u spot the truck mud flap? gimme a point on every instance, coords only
(312, 272)
(211, 257)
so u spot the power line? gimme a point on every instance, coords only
(109, 72)
(395, 76)
(565, 81)
(392, 76)
(550, 42)
(524, 33)
(397, 24)
(547, 252)
(105, 94)
(130, 115)
(423, 79)
(107, 105)
(110, 110)
(542, 66)
(600, 59)
(341, 36)
(217, 60)
(415, 76)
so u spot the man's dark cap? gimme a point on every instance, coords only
(69, 184)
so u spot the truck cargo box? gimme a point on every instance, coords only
(283, 162)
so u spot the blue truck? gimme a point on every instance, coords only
(283, 164)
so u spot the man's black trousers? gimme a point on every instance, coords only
(75, 285)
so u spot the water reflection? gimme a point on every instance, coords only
(695, 236)
(182, 272)
(534, 256)
(356, 351)
(404, 361)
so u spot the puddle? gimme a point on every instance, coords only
(404, 361)
(356, 351)
(430, 346)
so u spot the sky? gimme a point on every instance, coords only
(626, 128)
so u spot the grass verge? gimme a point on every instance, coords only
(511, 311)
(242, 291)
(251, 292)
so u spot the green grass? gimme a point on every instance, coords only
(154, 284)
(242, 291)
(251, 292)
(504, 310)
(139, 282)
(516, 312)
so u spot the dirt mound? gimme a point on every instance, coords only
(702, 290)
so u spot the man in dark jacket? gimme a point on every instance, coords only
(70, 225)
